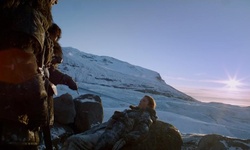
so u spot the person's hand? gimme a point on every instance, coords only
(70, 82)
(72, 85)
(119, 144)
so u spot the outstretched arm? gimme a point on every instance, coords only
(57, 77)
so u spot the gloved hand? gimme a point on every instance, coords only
(72, 85)
(119, 144)
(69, 82)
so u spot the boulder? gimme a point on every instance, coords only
(89, 111)
(64, 109)
(218, 142)
(190, 141)
(162, 136)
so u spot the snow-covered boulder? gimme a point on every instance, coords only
(89, 111)
(64, 109)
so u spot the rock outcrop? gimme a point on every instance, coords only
(218, 142)
(73, 116)
(213, 142)
(89, 111)
(64, 109)
(162, 136)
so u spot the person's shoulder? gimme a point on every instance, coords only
(152, 113)
(134, 107)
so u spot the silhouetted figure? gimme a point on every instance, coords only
(23, 95)
(54, 57)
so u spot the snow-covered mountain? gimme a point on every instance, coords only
(120, 84)
(109, 72)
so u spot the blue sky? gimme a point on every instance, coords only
(196, 45)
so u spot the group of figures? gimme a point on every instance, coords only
(29, 56)
(29, 59)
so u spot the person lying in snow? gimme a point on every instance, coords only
(127, 127)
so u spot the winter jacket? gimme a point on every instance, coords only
(57, 77)
(143, 119)
(130, 125)
(23, 108)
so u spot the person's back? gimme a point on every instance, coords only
(23, 105)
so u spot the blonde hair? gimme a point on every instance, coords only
(151, 102)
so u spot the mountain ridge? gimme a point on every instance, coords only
(109, 71)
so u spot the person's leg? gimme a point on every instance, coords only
(82, 141)
(106, 140)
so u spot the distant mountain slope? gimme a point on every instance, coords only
(110, 72)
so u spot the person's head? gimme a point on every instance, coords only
(147, 101)
(55, 32)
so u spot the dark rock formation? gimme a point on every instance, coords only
(213, 142)
(162, 136)
(89, 111)
(218, 142)
(64, 109)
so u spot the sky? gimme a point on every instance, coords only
(200, 47)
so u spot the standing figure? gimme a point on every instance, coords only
(54, 55)
(54, 75)
(23, 95)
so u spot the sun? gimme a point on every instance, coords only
(233, 84)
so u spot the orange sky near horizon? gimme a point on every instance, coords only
(224, 95)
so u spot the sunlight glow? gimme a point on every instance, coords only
(233, 83)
